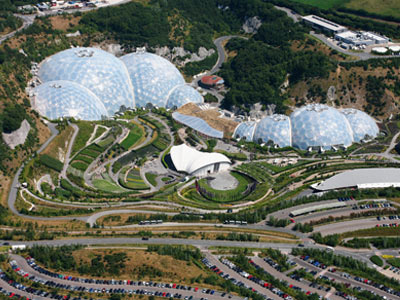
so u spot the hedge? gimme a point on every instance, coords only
(376, 260)
(51, 162)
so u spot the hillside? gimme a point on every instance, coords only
(386, 8)
(255, 72)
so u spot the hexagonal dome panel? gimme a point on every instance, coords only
(245, 130)
(183, 94)
(361, 124)
(275, 128)
(319, 125)
(152, 76)
(56, 99)
(101, 72)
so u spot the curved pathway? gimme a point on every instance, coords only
(27, 20)
(12, 195)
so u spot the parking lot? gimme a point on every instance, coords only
(29, 269)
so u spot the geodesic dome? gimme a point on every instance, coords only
(57, 99)
(361, 124)
(274, 128)
(100, 72)
(245, 130)
(152, 76)
(183, 94)
(318, 125)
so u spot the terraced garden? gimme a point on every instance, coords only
(130, 178)
(106, 184)
(256, 170)
(133, 137)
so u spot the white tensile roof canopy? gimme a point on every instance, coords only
(189, 160)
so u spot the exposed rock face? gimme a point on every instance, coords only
(251, 25)
(77, 33)
(18, 136)
(181, 57)
(115, 49)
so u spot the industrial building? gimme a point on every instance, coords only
(360, 38)
(323, 24)
(361, 179)
(197, 163)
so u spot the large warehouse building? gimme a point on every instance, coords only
(197, 163)
(323, 24)
(88, 83)
(362, 179)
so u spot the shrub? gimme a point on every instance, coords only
(51, 162)
(376, 260)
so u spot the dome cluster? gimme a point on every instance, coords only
(88, 83)
(314, 125)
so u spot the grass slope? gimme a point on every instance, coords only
(325, 4)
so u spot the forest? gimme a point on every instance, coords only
(262, 63)
(190, 24)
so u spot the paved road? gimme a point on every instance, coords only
(351, 225)
(259, 261)
(12, 195)
(22, 263)
(359, 55)
(232, 274)
(154, 241)
(341, 279)
(67, 159)
(11, 289)
(27, 20)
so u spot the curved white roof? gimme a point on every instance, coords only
(362, 178)
(189, 160)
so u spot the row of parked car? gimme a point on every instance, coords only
(313, 262)
(275, 265)
(141, 284)
(346, 198)
(389, 217)
(256, 280)
(33, 291)
(359, 279)
(388, 225)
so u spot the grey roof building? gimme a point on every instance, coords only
(362, 179)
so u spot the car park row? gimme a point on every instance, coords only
(97, 286)
(381, 287)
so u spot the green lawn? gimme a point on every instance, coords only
(381, 7)
(107, 186)
(133, 136)
(225, 196)
(151, 178)
(85, 131)
(80, 165)
(394, 261)
(325, 4)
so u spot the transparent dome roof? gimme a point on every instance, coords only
(361, 124)
(152, 76)
(183, 94)
(245, 131)
(102, 73)
(56, 99)
(319, 125)
(275, 128)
